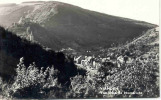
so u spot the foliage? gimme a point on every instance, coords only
(139, 78)
(31, 82)
(12, 48)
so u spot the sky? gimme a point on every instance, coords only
(144, 10)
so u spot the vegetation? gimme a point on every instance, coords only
(139, 78)
(32, 83)
(13, 48)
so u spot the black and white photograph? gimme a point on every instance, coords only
(79, 49)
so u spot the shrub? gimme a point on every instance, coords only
(31, 82)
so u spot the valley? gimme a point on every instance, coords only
(57, 50)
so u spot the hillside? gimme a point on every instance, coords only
(145, 72)
(12, 48)
(137, 78)
(11, 14)
(66, 25)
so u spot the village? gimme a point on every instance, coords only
(118, 58)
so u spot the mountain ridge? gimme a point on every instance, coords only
(79, 28)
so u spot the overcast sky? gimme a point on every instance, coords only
(145, 10)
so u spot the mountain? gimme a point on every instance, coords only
(58, 25)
